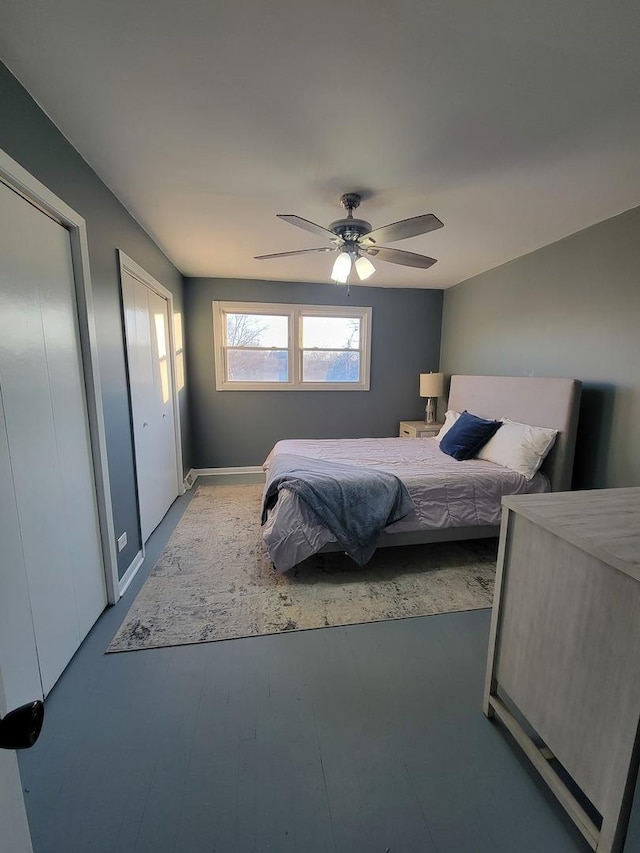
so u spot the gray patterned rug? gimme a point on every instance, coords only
(214, 581)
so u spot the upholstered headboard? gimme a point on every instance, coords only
(531, 400)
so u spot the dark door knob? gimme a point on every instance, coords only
(20, 728)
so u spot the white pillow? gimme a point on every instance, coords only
(520, 447)
(450, 418)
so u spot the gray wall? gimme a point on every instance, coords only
(569, 309)
(27, 135)
(234, 428)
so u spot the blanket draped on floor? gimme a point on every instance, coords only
(355, 503)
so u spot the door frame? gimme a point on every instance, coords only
(30, 188)
(128, 265)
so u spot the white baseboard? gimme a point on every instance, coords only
(211, 472)
(129, 575)
(248, 473)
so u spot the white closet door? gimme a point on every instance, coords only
(151, 388)
(47, 436)
(138, 334)
(166, 477)
(22, 676)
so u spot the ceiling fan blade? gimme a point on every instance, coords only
(398, 256)
(403, 229)
(292, 219)
(297, 252)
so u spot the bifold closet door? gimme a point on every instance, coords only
(151, 387)
(49, 506)
(18, 651)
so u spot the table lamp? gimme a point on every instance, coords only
(431, 385)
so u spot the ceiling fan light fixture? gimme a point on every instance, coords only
(364, 268)
(341, 268)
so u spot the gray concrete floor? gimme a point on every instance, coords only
(362, 739)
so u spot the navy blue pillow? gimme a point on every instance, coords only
(468, 434)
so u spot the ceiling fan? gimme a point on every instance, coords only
(355, 241)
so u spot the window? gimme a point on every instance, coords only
(274, 347)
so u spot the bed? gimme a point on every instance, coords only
(451, 499)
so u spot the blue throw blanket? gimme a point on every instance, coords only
(356, 504)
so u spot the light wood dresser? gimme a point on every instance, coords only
(563, 672)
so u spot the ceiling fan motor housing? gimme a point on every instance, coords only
(350, 230)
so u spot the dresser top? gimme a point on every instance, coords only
(603, 522)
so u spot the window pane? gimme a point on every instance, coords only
(257, 330)
(337, 366)
(331, 332)
(256, 366)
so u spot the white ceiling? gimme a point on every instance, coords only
(516, 123)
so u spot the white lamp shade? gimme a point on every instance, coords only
(431, 384)
(364, 268)
(341, 268)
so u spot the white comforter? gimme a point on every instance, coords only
(446, 493)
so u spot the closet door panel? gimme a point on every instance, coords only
(27, 235)
(163, 415)
(18, 657)
(47, 446)
(141, 380)
(71, 425)
(146, 326)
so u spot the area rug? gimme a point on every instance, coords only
(214, 580)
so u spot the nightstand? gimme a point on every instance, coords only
(418, 429)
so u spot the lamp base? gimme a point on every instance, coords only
(430, 410)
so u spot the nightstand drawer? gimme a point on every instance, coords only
(418, 429)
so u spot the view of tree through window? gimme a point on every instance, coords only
(293, 346)
(330, 349)
(257, 348)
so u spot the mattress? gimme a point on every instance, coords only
(445, 492)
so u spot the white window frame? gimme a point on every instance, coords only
(295, 312)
